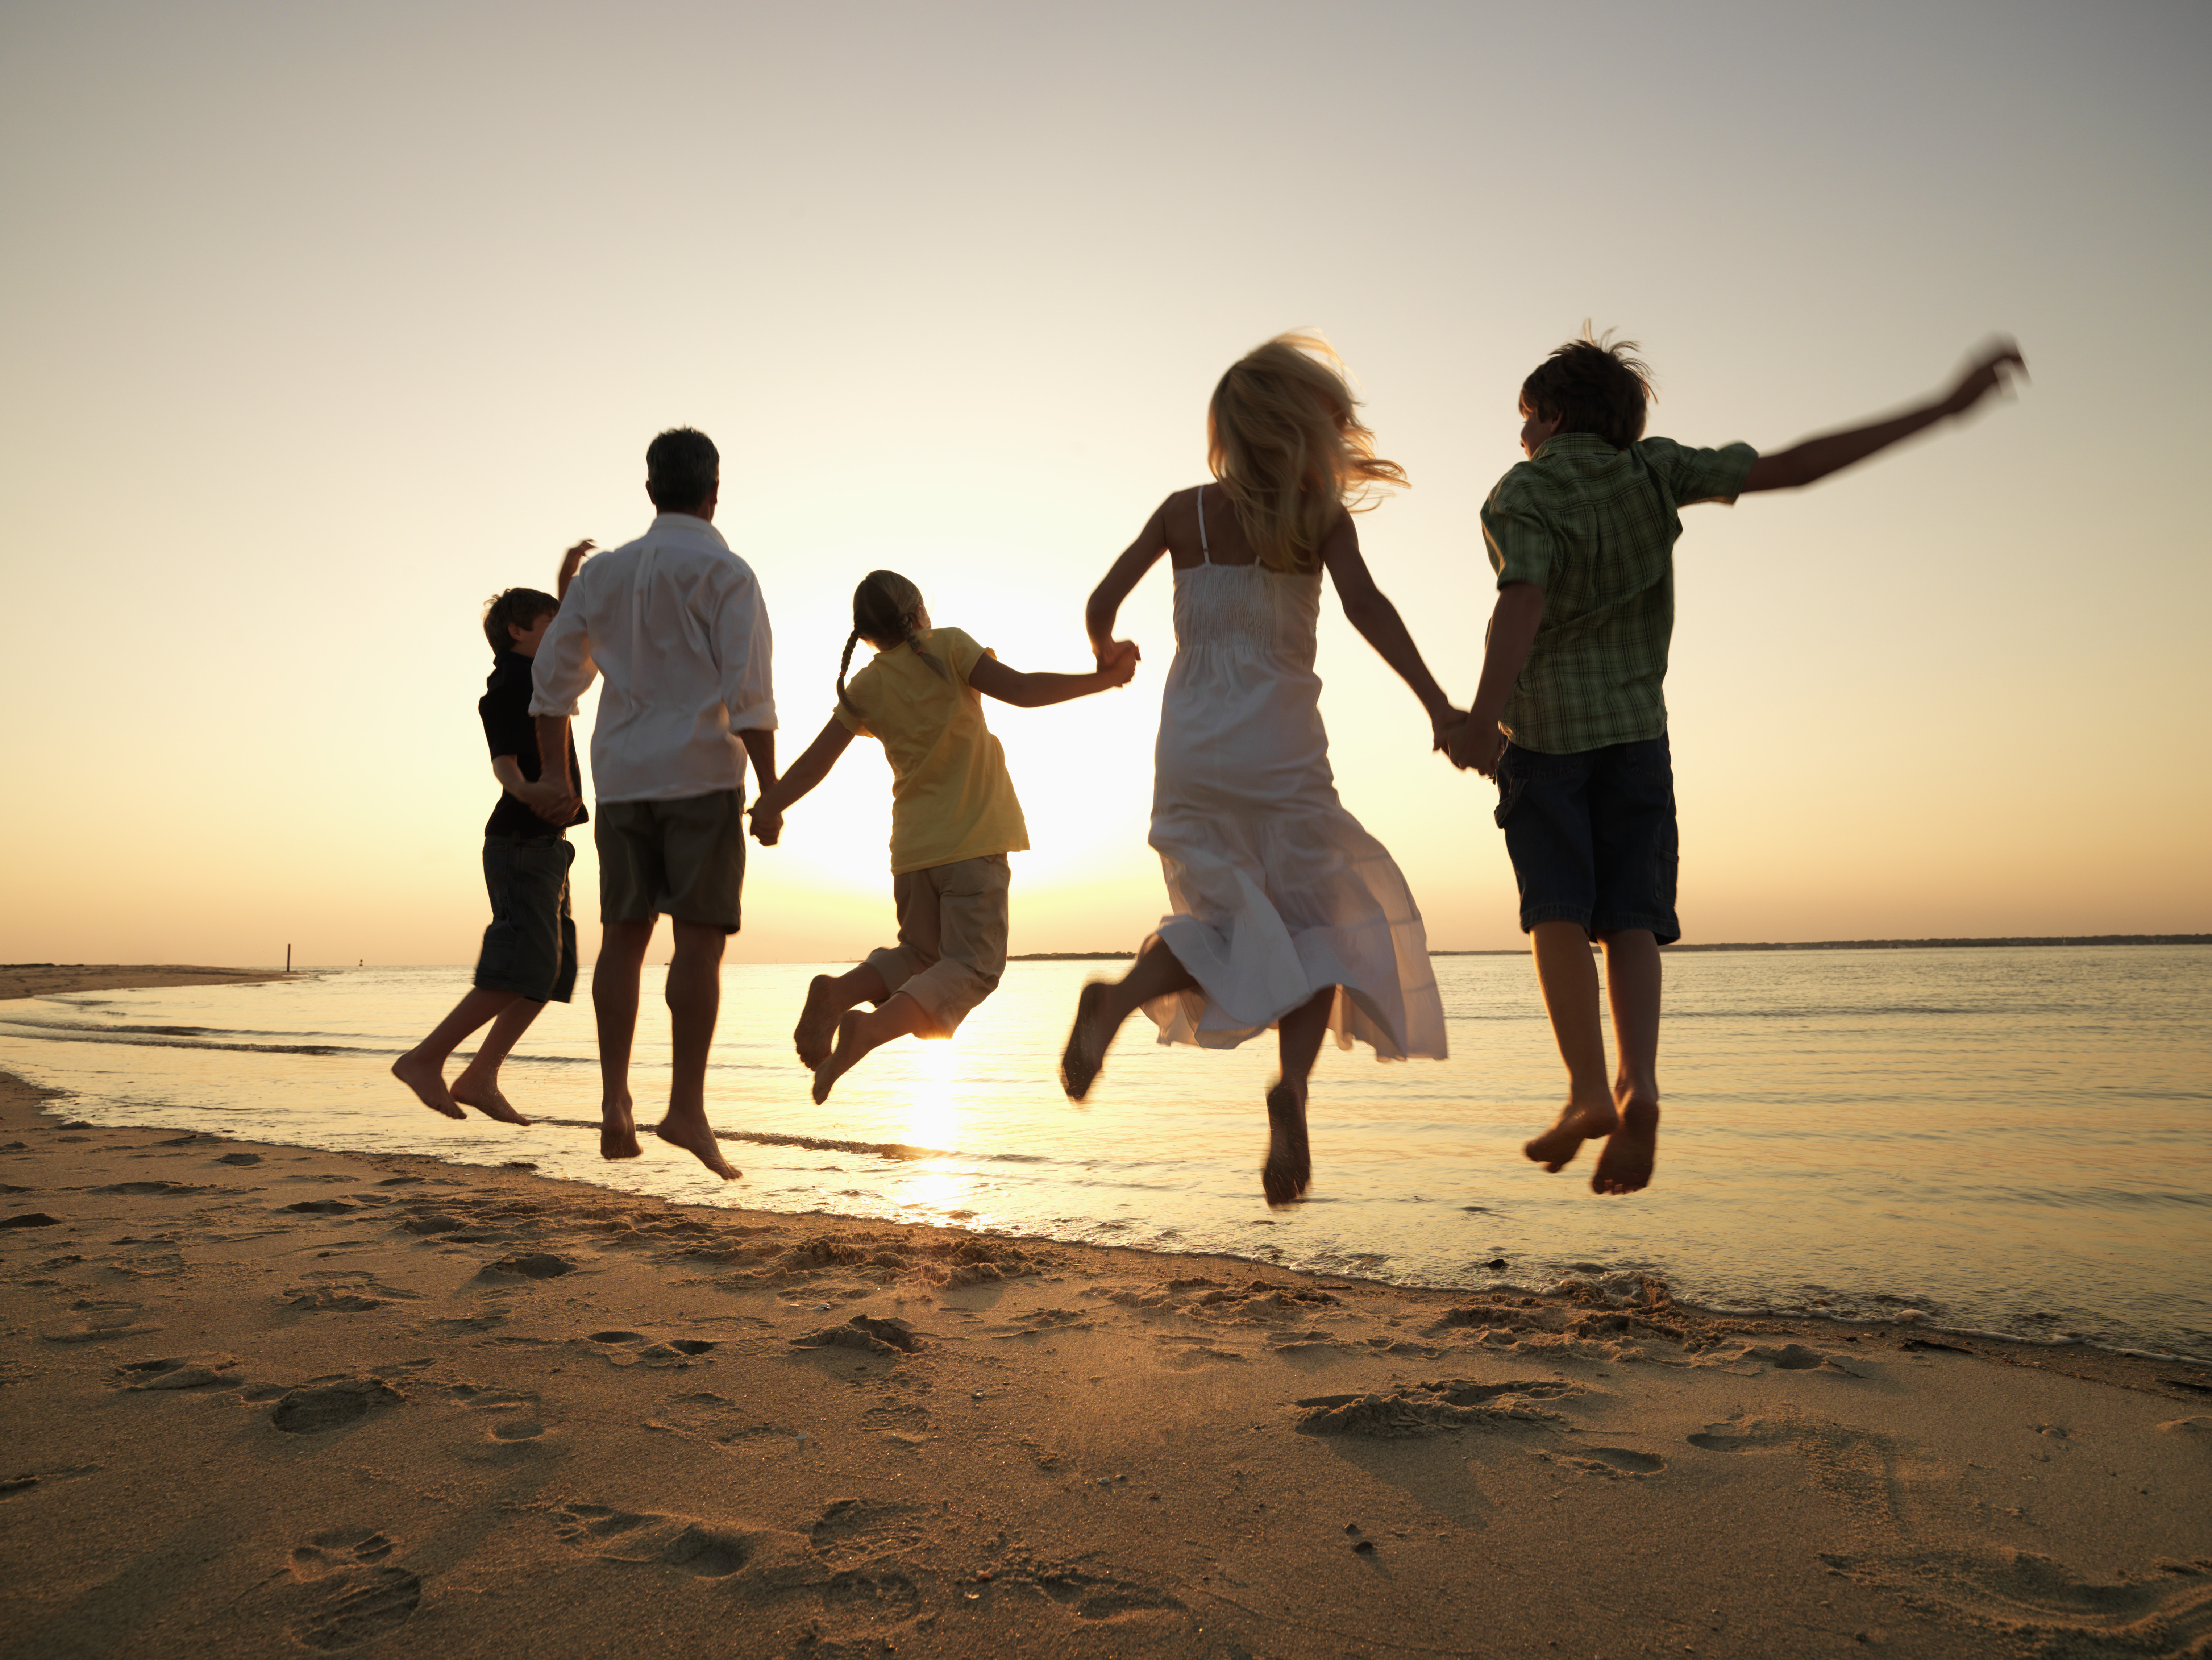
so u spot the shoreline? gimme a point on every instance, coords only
(1548, 1280)
(379, 1398)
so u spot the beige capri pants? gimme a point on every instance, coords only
(952, 938)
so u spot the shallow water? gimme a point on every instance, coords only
(2013, 1140)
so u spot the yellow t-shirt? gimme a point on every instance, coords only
(950, 797)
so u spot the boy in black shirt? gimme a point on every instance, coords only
(529, 951)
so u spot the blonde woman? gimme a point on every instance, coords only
(1286, 913)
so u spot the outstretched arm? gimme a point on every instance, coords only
(1140, 557)
(809, 770)
(1117, 661)
(1816, 457)
(1368, 609)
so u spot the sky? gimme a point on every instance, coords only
(321, 325)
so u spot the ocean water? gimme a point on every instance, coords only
(2011, 1141)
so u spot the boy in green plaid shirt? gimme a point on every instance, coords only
(1570, 719)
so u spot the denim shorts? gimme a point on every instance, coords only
(530, 949)
(1592, 836)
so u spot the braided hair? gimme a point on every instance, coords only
(884, 608)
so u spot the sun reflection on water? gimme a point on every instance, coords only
(934, 1120)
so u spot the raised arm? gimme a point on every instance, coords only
(1117, 664)
(1815, 458)
(571, 563)
(1140, 557)
(1368, 609)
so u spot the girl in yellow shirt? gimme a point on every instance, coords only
(954, 819)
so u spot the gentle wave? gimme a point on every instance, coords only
(2033, 1158)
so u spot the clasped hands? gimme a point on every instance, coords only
(1118, 659)
(552, 799)
(1470, 745)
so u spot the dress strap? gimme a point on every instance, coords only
(1204, 557)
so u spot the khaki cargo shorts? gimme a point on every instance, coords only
(684, 858)
(952, 938)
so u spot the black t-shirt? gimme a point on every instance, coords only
(509, 729)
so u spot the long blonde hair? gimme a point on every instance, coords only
(1283, 436)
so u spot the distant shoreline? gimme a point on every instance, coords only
(2016, 940)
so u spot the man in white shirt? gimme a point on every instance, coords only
(675, 622)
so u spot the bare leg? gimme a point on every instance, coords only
(1289, 1169)
(695, 998)
(827, 997)
(1569, 978)
(1101, 1009)
(478, 1084)
(614, 1001)
(1631, 982)
(859, 1032)
(422, 1068)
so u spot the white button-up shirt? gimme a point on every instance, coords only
(674, 621)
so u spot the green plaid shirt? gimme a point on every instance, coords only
(1595, 528)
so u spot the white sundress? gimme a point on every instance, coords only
(1278, 891)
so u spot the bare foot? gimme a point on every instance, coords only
(486, 1100)
(696, 1138)
(1289, 1169)
(1625, 1166)
(1555, 1149)
(618, 1131)
(428, 1083)
(840, 1060)
(1080, 1061)
(818, 1021)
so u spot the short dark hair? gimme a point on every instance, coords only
(519, 606)
(1592, 385)
(682, 467)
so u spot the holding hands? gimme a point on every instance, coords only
(1474, 747)
(1118, 660)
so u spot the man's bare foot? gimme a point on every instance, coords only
(840, 1059)
(486, 1100)
(618, 1132)
(818, 1021)
(1080, 1061)
(1289, 1169)
(428, 1083)
(1625, 1166)
(1555, 1149)
(697, 1139)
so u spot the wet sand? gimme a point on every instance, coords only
(262, 1399)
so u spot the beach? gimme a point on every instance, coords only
(264, 1398)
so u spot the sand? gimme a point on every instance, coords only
(265, 1400)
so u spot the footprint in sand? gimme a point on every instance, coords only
(352, 1594)
(631, 1348)
(312, 1409)
(1618, 1461)
(861, 1529)
(1434, 1409)
(99, 1321)
(535, 1265)
(704, 1550)
(514, 1413)
(1093, 1596)
(185, 1372)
